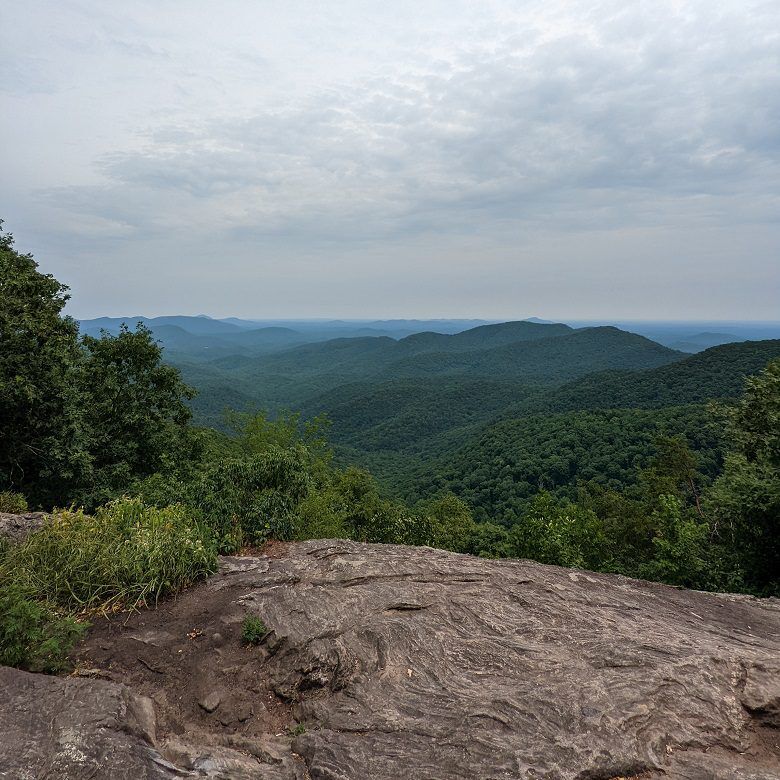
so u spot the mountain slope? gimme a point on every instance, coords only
(602, 427)
(716, 373)
(194, 325)
(555, 358)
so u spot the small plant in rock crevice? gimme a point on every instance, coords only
(253, 630)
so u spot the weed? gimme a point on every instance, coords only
(32, 635)
(127, 553)
(253, 630)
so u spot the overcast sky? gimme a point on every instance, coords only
(397, 159)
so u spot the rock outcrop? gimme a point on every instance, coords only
(387, 663)
(16, 527)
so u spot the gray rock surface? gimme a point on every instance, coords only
(53, 727)
(415, 663)
(82, 729)
(438, 665)
(16, 527)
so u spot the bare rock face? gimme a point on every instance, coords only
(387, 663)
(52, 727)
(438, 665)
(16, 527)
(77, 728)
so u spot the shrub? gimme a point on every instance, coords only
(559, 533)
(319, 516)
(253, 630)
(14, 503)
(32, 636)
(682, 554)
(253, 499)
(453, 522)
(126, 553)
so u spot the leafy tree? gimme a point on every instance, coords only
(491, 541)
(251, 499)
(745, 499)
(257, 434)
(674, 471)
(681, 547)
(454, 522)
(560, 533)
(134, 412)
(42, 448)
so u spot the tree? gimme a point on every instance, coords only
(682, 553)
(42, 447)
(135, 411)
(745, 499)
(453, 521)
(257, 434)
(673, 471)
(560, 533)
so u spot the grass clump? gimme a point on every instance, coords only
(126, 553)
(253, 630)
(13, 503)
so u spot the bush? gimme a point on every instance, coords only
(319, 516)
(253, 499)
(13, 503)
(32, 636)
(682, 554)
(559, 533)
(126, 553)
(253, 630)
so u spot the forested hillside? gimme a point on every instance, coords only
(715, 373)
(493, 413)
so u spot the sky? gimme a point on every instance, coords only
(491, 159)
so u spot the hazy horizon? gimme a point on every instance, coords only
(607, 160)
(443, 318)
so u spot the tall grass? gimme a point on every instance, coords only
(125, 553)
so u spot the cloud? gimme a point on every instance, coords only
(565, 117)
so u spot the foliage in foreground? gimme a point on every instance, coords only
(125, 553)
(32, 635)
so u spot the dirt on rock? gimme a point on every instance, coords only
(385, 663)
(209, 689)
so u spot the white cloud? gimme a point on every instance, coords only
(398, 133)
